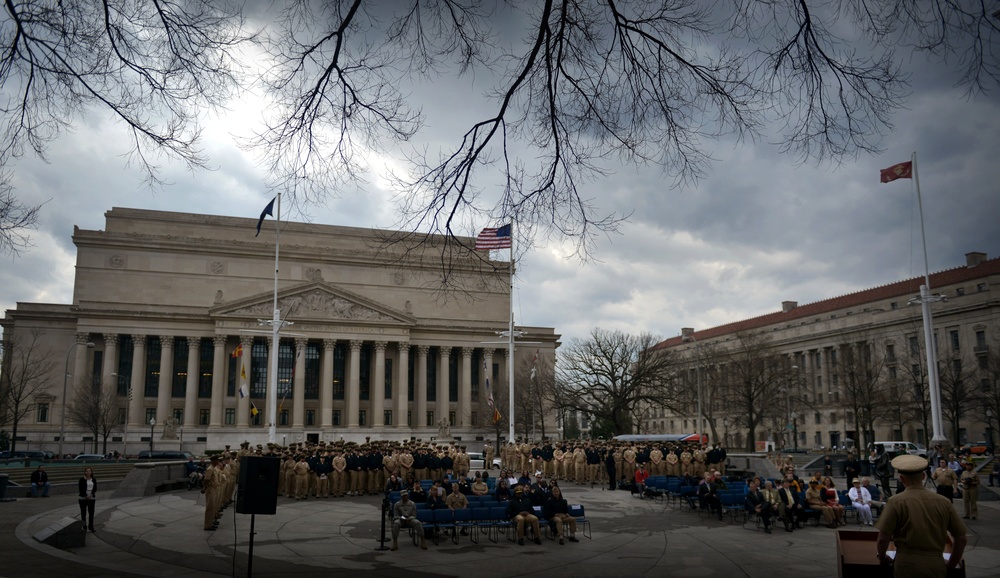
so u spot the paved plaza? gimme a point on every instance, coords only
(162, 536)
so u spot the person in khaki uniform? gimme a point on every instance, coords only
(686, 466)
(289, 469)
(405, 463)
(698, 459)
(210, 486)
(673, 464)
(918, 522)
(814, 500)
(656, 461)
(339, 475)
(301, 478)
(488, 456)
(970, 490)
(580, 465)
(628, 463)
(946, 480)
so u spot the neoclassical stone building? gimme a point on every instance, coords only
(167, 306)
(861, 352)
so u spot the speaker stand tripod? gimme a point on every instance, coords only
(253, 519)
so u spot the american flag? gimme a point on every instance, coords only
(495, 238)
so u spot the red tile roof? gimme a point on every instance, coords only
(906, 288)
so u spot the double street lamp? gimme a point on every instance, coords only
(65, 406)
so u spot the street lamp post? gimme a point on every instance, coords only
(989, 429)
(180, 447)
(697, 351)
(152, 423)
(65, 406)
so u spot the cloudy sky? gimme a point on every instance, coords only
(759, 229)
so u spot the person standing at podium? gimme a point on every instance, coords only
(918, 521)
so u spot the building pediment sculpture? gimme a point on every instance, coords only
(316, 301)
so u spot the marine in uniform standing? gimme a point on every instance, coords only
(918, 522)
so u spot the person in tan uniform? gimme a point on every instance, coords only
(656, 461)
(301, 478)
(814, 500)
(698, 457)
(525, 456)
(389, 466)
(946, 480)
(628, 463)
(687, 468)
(970, 490)
(404, 462)
(339, 474)
(579, 465)
(918, 522)
(289, 470)
(234, 477)
(210, 486)
(488, 455)
(673, 464)
(221, 491)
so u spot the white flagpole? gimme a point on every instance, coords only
(272, 377)
(933, 385)
(510, 342)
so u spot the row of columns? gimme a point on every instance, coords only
(352, 406)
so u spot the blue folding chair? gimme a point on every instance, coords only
(576, 510)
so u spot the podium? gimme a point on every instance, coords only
(856, 556)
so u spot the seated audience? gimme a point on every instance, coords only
(862, 502)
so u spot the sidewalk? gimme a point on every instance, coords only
(161, 536)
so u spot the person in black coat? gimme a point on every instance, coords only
(609, 464)
(88, 496)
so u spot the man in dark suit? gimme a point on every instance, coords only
(755, 502)
(790, 508)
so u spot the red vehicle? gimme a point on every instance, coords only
(976, 449)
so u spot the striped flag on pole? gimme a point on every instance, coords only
(494, 238)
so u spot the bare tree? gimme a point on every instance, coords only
(95, 408)
(27, 372)
(862, 368)
(590, 82)
(16, 220)
(988, 357)
(612, 374)
(959, 391)
(751, 379)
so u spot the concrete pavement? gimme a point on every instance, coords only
(161, 536)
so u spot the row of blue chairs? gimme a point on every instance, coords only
(491, 521)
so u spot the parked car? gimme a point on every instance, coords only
(89, 457)
(6, 455)
(164, 455)
(476, 462)
(980, 448)
(897, 448)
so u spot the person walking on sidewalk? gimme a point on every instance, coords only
(87, 487)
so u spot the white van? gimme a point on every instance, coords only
(898, 448)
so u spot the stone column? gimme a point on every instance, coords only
(166, 377)
(487, 375)
(420, 388)
(138, 382)
(353, 393)
(109, 381)
(400, 388)
(191, 386)
(79, 375)
(378, 388)
(218, 380)
(299, 385)
(326, 385)
(465, 389)
(443, 404)
(243, 403)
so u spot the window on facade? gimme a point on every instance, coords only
(980, 287)
(953, 337)
(960, 291)
(409, 381)
(409, 418)
(206, 367)
(365, 372)
(819, 398)
(453, 361)
(258, 369)
(230, 416)
(256, 419)
(451, 418)
(43, 413)
(339, 373)
(362, 417)
(430, 418)
(834, 380)
(310, 417)
(312, 370)
(477, 365)
(150, 414)
(388, 379)
(234, 375)
(432, 360)
(122, 413)
(914, 345)
(125, 347)
(387, 417)
(890, 353)
(152, 366)
(980, 340)
(984, 384)
(894, 305)
(818, 418)
(178, 415)
(984, 362)
(819, 381)
(833, 358)
(203, 417)
(892, 372)
(818, 357)
(283, 417)
(475, 417)
(915, 370)
(286, 368)
(336, 417)
(178, 379)
(97, 369)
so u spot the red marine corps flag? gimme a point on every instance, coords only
(899, 171)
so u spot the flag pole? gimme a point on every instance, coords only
(510, 343)
(272, 373)
(925, 299)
